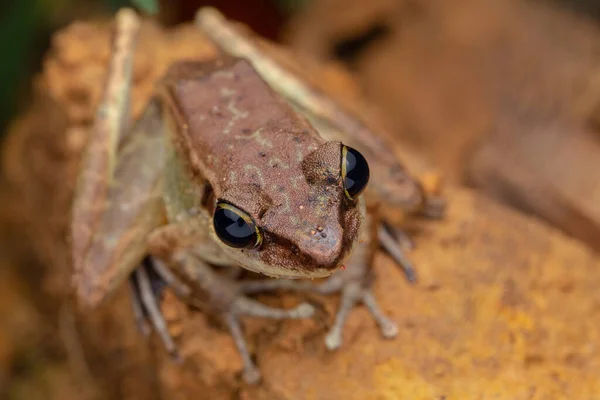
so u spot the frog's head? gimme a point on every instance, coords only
(292, 216)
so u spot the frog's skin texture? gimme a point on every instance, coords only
(391, 182)
(258, 154)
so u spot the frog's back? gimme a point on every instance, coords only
(234, 127)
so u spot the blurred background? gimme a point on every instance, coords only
(27, 26)
(500, 96)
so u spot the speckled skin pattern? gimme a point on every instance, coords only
(258, 154)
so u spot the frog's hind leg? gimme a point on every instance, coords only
(354, 285)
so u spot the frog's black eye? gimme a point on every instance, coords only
(355, 172)
(235, 228)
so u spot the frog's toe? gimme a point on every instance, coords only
(354, 292)
(145, 305)
(251, 373)
(404, 240)
(389, 243)
(252, 376)
(248, 307)
(141, 320)
(252, 308)
(351, 294)
(333, 340)
(305, 310)
(389, 329)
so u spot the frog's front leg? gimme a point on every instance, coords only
(353, 283)
(187, 249)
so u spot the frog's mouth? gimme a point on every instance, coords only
(297, 253)
(280, 259)
(278, 272)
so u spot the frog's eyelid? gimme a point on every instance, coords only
(243, 214)
(359, 173)
(221, 204)
(343, 170)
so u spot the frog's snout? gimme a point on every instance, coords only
(324, 246)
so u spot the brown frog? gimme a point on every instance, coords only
(225, 168)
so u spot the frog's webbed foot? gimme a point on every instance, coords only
(226, 297)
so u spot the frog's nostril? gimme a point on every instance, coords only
(324, 247)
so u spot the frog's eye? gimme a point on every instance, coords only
(355, 172)
(236, 228)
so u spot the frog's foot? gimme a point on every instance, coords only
(354, 285)
(147, 283)
(244, 306)
(392, 244)
(402, 238)
(227, 298)
(355, 289)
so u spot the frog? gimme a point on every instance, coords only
(221, 171)
(391, 187)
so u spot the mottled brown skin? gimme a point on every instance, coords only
(238, 141)
(257, 153)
